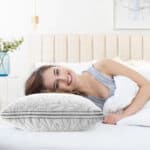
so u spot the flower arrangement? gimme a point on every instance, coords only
(5, 47)
(10, 46)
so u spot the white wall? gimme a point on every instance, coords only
(15, 17)
(57, 16)
(83, 16)
(75, 15)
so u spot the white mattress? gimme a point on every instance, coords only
(100, 137)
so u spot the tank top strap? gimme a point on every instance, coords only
(104, 79)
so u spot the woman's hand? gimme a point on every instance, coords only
(113, 118)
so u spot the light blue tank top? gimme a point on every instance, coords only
(105, 80)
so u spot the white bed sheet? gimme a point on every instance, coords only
(100, 137)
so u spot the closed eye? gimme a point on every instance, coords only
(56, 83)
(56, 71)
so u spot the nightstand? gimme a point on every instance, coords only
(10, 89)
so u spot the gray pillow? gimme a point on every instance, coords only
(52, 112)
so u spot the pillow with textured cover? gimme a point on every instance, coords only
(52, 112)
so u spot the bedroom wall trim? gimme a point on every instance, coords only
(86, 47)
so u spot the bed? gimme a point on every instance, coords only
(102, 136)
(81, 48)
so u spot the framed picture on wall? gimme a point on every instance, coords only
(131, 14)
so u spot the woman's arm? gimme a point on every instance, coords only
(114, 68)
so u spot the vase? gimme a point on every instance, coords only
(4, 64)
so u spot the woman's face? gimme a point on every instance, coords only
(59, 79)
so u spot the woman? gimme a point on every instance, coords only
(96, 83)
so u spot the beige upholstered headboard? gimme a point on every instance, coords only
(86, 47)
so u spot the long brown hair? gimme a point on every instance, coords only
(34, 84)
